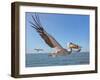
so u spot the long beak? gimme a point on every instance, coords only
(74, 46)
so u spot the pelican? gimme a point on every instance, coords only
(38, 49)
(50, 40)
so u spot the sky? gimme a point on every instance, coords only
(64, 28)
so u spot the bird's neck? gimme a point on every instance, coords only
(69, 50)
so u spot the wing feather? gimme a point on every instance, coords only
(48, 39)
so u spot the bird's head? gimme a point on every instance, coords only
(74, 46)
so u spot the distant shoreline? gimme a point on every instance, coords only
(48, 53)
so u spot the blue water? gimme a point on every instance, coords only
(42, 59)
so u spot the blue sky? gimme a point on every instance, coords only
(63, 27)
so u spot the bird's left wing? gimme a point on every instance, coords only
(44, 35)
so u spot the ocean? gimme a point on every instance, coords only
(42, 59)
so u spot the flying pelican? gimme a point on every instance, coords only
(50, 40)
(38, 49)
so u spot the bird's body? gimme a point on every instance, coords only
(50, 40)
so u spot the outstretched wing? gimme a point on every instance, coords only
(36, 24)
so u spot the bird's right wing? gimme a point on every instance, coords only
(44, 35)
